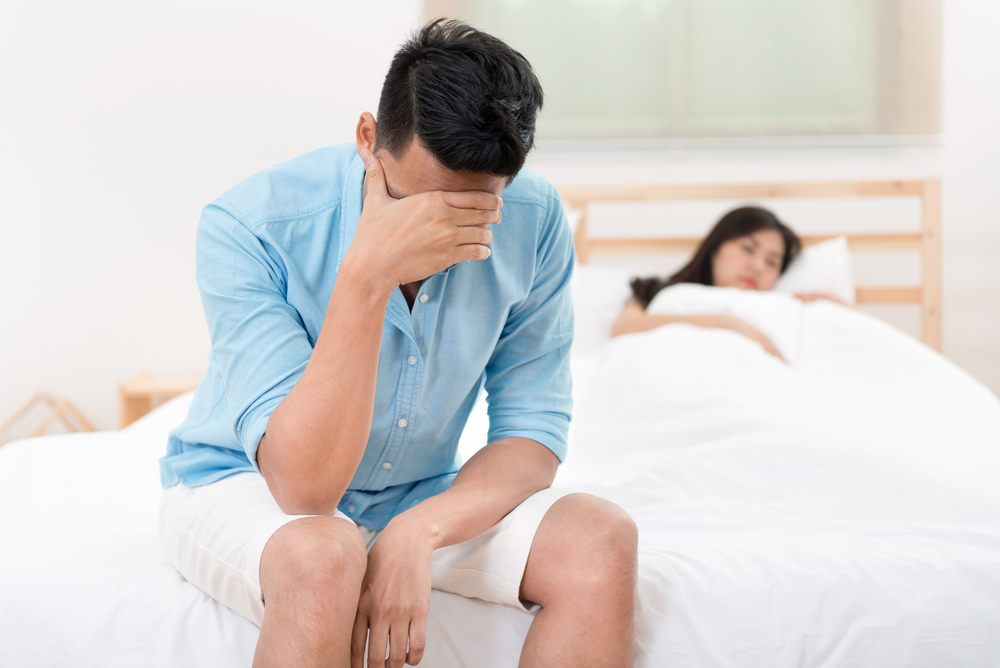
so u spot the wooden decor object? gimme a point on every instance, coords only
(138, 396)
(927, 242)
(58, 409)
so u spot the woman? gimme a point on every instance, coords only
(749, 248)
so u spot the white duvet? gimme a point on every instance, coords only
(837, 511)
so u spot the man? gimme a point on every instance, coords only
(358, 299)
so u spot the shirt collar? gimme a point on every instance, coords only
(352, 201)
(351, 208)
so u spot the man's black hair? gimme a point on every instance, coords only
(470, 99)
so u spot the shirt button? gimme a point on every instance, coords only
(351, 508)
(387, 465)
(402, 423)
(411, 359)
(423, 298)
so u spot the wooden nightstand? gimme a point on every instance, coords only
(139, 395)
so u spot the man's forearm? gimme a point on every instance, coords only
(491, 484)
(316, 437)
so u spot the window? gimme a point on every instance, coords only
(703, 71)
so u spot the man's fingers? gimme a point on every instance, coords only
(359, 637)
(470, 252)
(397, 644)
(474, 235)
(417, 641)
(480, 217)
(374, 175)
(378, 640)
(472, 199)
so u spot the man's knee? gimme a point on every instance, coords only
(316, 555)
(606, 552)
(591, 545)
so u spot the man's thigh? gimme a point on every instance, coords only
(215, 536)
(490, 566)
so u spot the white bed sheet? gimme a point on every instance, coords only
(837, 512)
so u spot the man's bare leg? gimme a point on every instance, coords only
(310, 574)
(582, 571)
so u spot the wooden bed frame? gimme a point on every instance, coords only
(927, 241)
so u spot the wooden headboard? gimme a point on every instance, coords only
(927, 242)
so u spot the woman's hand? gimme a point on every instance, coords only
(635, 319)
(752, 333)
(814, 296)
(395, 599)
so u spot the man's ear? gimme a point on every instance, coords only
(366, 133)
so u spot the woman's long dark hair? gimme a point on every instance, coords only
(735, 224)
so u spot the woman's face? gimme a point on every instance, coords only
(752, 262)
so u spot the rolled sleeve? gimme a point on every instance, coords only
(528, 383)
(258, 339)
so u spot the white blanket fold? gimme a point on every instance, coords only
(841, 510)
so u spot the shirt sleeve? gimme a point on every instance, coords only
(258, 339)
(528, 383)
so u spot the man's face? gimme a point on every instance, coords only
(417, 171)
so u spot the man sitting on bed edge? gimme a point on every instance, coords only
(357, 299)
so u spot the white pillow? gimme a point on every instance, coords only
(573, 218)
(822, 267)
(599, 295)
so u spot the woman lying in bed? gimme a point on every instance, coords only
(749, 248)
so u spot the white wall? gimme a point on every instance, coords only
(968, 164)
(119, 121)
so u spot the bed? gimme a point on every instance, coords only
(840, 510)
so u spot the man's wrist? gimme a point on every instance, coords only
(366, 276)
(419, 528)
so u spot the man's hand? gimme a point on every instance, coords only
(395, 597)
(396, 591)
(406, 240)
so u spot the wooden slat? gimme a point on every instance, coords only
(668, 192)
(148, 384)
(84, 422)
(137, 395)
(927, 242)
(56, 413)
(581, 239)
(629, 246)
(905, 295)
(930, 264)
(21, 413)
(873, 242)
(643, 245)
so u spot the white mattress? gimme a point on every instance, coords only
(840, 511)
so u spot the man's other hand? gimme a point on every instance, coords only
(395, 598)
(408, 239)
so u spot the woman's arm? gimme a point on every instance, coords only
(814, 296)
(635, 319)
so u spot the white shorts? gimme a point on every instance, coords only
(215, 536)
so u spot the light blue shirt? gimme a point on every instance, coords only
(268, 252)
